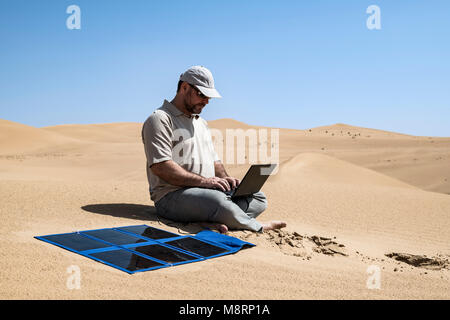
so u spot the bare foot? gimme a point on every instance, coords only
(215, 226)
(272, 225)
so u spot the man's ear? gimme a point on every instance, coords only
(185, 87)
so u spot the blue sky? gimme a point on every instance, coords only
(289, 64)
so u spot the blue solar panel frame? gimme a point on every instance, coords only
(104, 246)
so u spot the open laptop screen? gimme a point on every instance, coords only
(254, 179)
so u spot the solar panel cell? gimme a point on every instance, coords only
(75, 241)
(126, 260)
(196, 246)
(149, 232)
(164, 253)
(114, 237)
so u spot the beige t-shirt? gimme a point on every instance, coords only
(169, 134)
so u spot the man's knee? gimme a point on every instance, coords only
(261, 200)
(223, 206)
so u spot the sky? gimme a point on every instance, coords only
(285, 64)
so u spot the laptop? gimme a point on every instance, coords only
(253, 180)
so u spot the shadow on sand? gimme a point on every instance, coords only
(140, 212)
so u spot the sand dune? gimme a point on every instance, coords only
(16, 138)
(320, 168)
(223, 124)
(341, 129)
(346, 206)
(420, 161)
(109, 132)
(338, 196)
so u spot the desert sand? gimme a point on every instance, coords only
(353, 198)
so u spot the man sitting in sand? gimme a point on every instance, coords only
(186, 177)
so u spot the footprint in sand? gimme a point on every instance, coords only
(328, 246)
(295, 244)
(290, 243)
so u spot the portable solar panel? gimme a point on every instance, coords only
(142, 248)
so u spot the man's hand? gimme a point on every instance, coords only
(221, 172)
(216, 183)
(233, 182)
(177, 176)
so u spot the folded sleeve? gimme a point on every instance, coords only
(157, 136)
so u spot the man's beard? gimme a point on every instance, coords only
(194, 108)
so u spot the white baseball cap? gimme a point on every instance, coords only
(202, 79)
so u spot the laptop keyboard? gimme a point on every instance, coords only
(231, 192)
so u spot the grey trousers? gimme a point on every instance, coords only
(208, 205)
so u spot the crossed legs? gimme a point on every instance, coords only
(212, 206)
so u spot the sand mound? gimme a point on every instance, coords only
(320, 168)
(16, 138)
